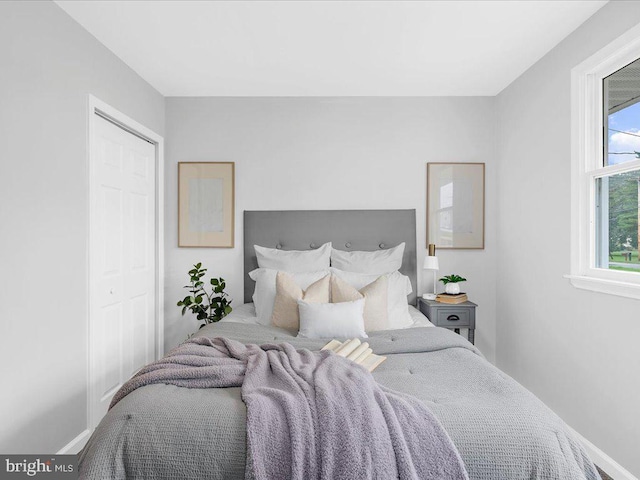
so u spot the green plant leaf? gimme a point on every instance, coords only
(453, 278)
(218, 306)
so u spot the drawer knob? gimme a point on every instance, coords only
(453, 318)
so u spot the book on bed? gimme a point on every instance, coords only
(356, 351)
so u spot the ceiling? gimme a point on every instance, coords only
(330, 48)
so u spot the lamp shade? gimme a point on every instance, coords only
(431, 263)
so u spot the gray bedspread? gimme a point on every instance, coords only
(312, 415)
(501, 430)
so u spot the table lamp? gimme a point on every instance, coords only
(431, 263)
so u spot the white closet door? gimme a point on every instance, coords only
(122, 263)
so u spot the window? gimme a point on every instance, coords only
(606, 169)
(616, 198)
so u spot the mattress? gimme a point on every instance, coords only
(246, 314)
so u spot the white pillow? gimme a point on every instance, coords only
(329, 320)
(378, 262)
(399, 287)
(294, 261)
(264, 294)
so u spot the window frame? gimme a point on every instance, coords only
(587, 156)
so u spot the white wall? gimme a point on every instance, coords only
(330, 153)
(577, 350)
(48, 66)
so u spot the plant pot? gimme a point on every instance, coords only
(452, 288)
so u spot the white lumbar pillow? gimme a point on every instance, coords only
(376, 262)
(332, 320)
(376, 316)
(294, 261)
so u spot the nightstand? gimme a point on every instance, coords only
(460, 315)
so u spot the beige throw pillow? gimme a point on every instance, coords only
(375, 303)
(288, 292)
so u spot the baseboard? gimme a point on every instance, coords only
(75, 445)
(604, 461)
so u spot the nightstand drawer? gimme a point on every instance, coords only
(453, 317)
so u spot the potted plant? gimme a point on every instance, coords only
(451, 283)
(210, 307)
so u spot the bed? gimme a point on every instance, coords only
(501, 430)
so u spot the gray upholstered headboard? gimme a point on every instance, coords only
(347, 229)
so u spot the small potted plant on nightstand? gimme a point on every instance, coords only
(451, 283)
(210, 307)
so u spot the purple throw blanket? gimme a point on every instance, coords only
(312, 415)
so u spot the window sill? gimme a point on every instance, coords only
(611, 287)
